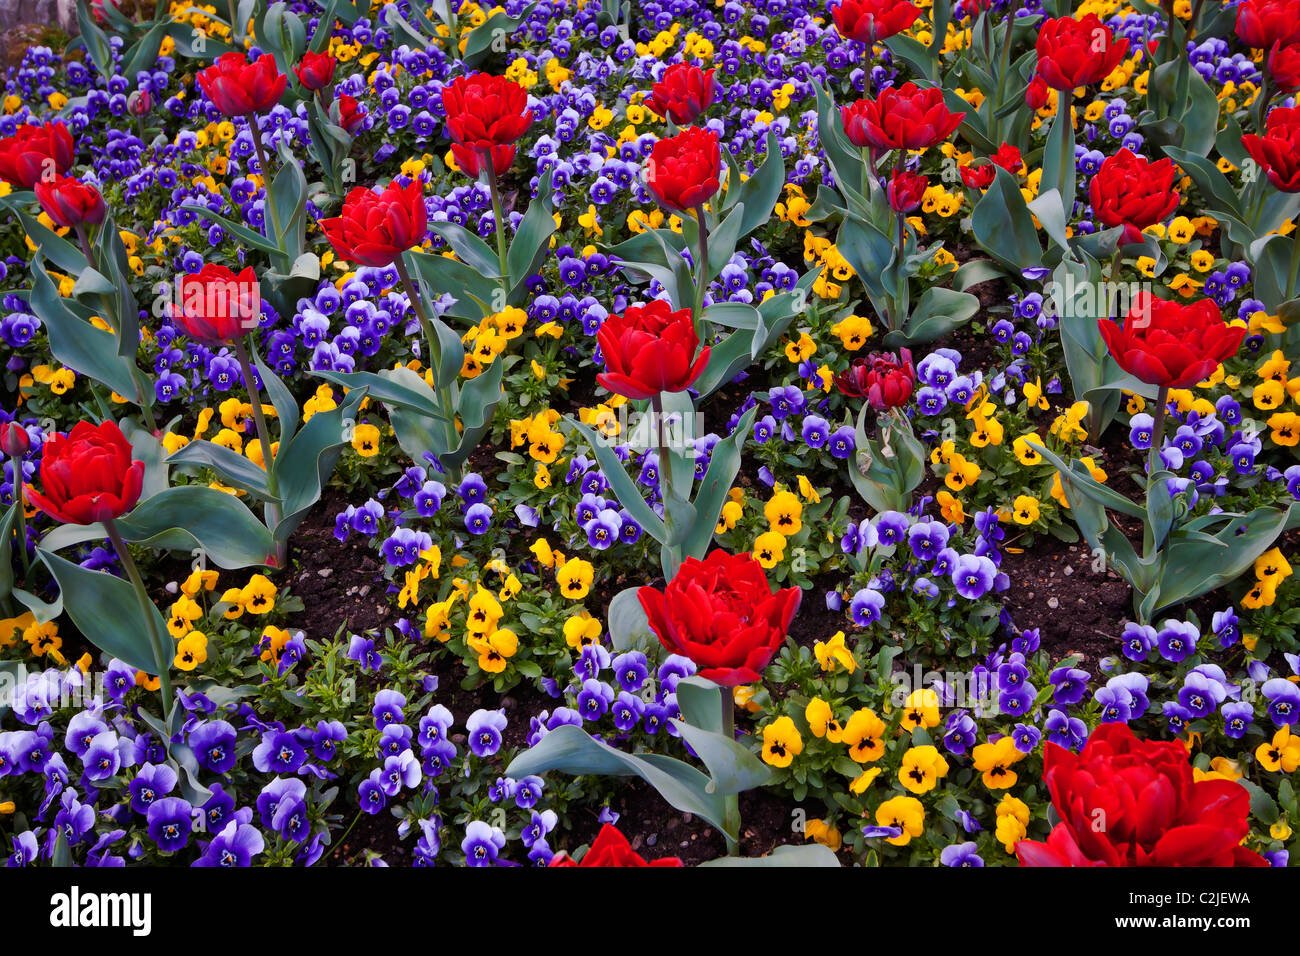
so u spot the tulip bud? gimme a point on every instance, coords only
(139, 103)
(1036, 95)
(14, 440)
(906, 190)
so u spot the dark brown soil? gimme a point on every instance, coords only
(341, 583)
(1076, 609)
(655, 829)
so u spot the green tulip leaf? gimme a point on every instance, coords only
(572, 750)
(105, 610)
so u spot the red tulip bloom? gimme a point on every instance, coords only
(1166, 343)
(885, 380)
(240, 88)
(88, 475)
(650, 349)
(1278, 150)
(35, 154)
(1037, 94)
(723, 615)
(902, 117)
(14, 440)
(978, 177)
(869, 21)
(684, 92)
(611, 848)
(906, 190)
(352, 116)
(1133, 192)
(316, 71)
(1129, 802)
(70, 202)
(1009, 158)
(217, 305)
(375, 228)
(1262, 23)
(685, 170)
(1284, 66)
(486, 115)
(1077, 52)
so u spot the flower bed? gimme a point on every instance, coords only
(567, 434)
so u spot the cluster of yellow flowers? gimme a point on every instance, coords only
(538, 432)
(784, 514)
(835, 269)
(573, 575)
(490, 338)
(1271, 569)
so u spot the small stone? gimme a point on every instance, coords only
(687, 817)
(652, 839)
(1068, 570)
(1053, 603)
(365, 589)
(172, 587)
(325, 572)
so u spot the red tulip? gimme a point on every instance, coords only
(1129, 802)
(685, 170)
(14, 440)
(88, 475)
(869, 21)
(1077, 52)
(650, 349)
(70, 202)
(1284, 66)
(1165, 343)
(316, 70)
(978, 177)
(352, 116)
(486, 115)
(723, 615)
(1036, 95)
(885, 380)
(906, 190)
(35, 154)
(1262, 23)
(217, 306)
(1133, 192)
(902, 117)
(684, 92)
(1009, 158)
(375, 228)
(611, 848)
(1278, 151)
(240, 88)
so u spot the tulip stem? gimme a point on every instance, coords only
(435, 352)
(265, 168)
(702, 272)
(731, 802)
(84, 240)
(1158, 433)
(503, 254)
(263, 439)
(20, 519)
(161, 660)
(1295, 267)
